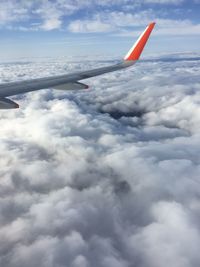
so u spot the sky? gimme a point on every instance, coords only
(44, 28)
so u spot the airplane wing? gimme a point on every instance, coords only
(70, 81)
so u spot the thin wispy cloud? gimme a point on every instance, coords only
(60, 15)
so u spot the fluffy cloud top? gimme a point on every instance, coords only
(104, 177)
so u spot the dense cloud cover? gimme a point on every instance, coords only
(107, 177)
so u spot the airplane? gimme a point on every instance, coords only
(71, 81)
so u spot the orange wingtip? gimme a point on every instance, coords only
(135, 51)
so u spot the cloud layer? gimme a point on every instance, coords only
(103, 177)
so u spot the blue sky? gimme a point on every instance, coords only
(43, 28)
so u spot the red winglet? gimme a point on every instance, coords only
(135, 51)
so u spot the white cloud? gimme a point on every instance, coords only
(13, 11)
(89, 26)
(49, 15)
(51, 24)
(173, 226)
(111, 21)
(122, 23)
(103, 177)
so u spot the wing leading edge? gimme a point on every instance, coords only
(59, 82)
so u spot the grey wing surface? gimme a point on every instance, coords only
(14, 88)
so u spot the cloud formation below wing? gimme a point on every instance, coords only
(104, 177)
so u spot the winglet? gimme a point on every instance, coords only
(135, 51)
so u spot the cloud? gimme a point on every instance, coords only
(88, 26)
(172, 224)
(51, 15)
(110, 21)
(127, 24)
(121, 16)
(13, 11)
(81, 187)
(51, 24)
